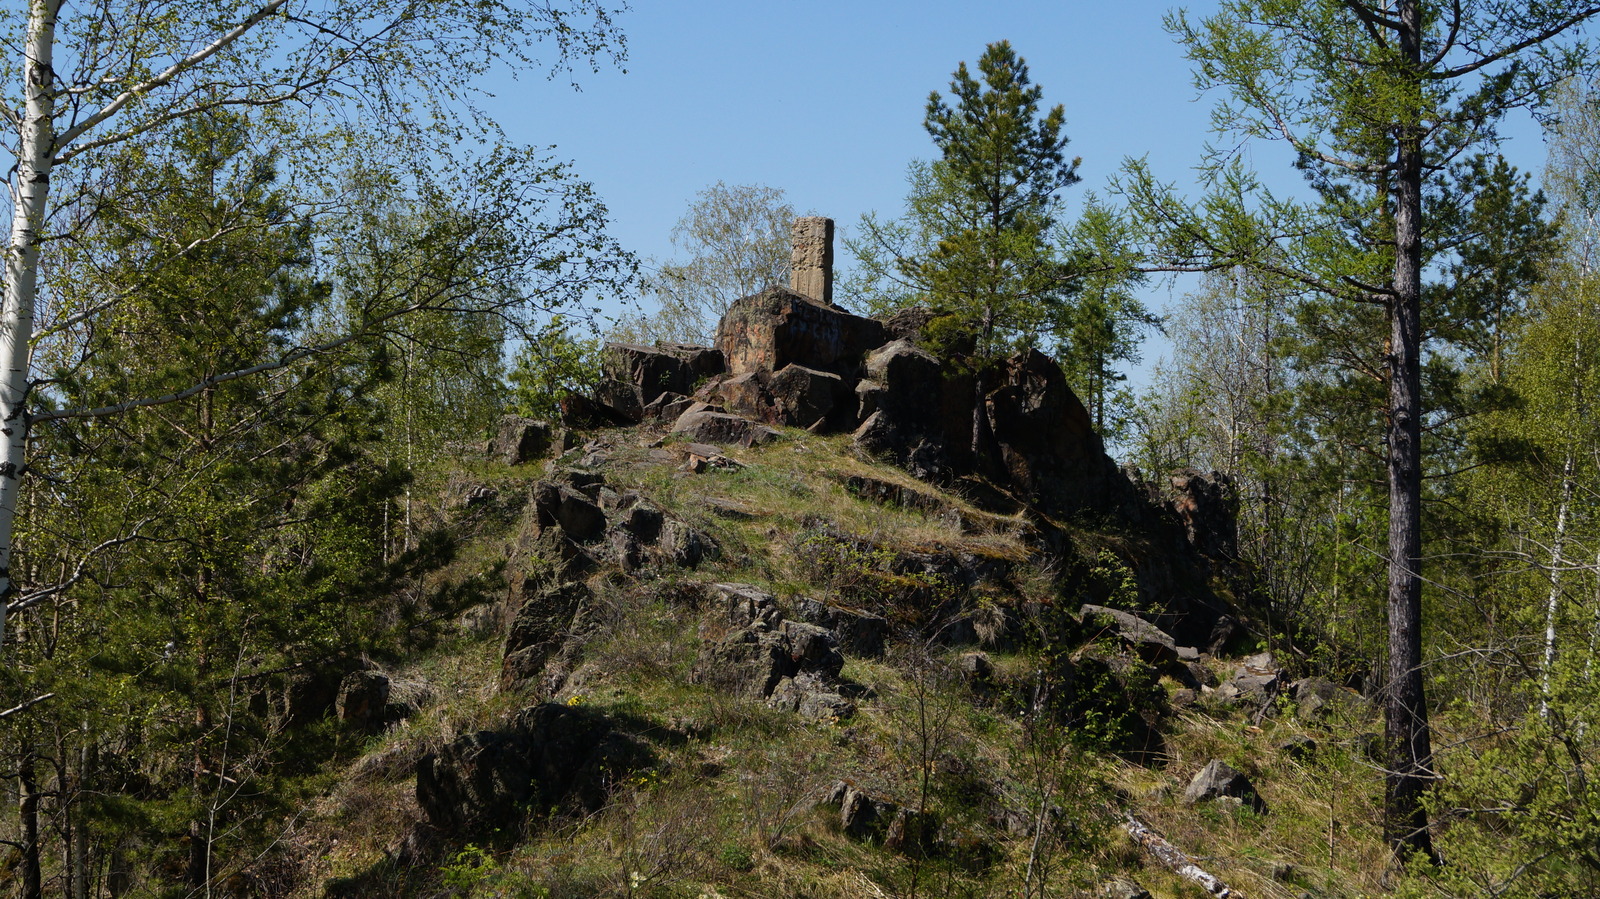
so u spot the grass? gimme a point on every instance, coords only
(731, 810)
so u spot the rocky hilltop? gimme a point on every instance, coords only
(1016, 442)
(815, 612)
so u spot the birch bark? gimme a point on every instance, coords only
(30, 196)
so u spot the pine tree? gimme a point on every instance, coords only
(980, 246)
(1377, 100)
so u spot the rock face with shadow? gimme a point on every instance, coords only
(548, 758)
(1007, 434)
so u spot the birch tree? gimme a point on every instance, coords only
(97, 78)
(1379, 99)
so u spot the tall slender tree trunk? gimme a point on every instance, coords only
(32, 194)
(1552, 606)
(1410, 754)
(31, 883)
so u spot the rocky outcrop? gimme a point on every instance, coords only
(907, 831)
(542, 627)
(633, 376)
(790, 665)
(518, 440)
(370, 700)
(1208, 507)
(1254, 684)
(1045, 441)
(547, 758)
(1007, 434)
(777, 327)
(752, 661)
(703, 424)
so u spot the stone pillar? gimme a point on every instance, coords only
(811, 266)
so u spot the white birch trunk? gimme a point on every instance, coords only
(1553, 604)
(30, 196)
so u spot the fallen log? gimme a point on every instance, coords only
(1176, 860)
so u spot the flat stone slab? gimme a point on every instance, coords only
(722, 429)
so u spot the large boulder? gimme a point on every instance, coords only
(541, 626)
(777, 327)
(705, 426)
(748, 663)
(751, 662)
(811, 697)
(370, 700)
(561, 506)
(804, 397)
(860, 633)
(634, 376)
(548, 757)
(1219, 782)
(1208, 507)
(518, 440)
(914, 413)
(1044, 443)
(703, 361)
(363, 700)
(1151, 643)
(1319, 698)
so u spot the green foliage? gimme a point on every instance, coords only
(1105, 322)
(877, 576)
(976, 242)
(468, 869)
(737, 241)
(982, 246)
(551, 364)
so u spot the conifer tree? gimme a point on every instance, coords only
(1377, 100)
(978, 244)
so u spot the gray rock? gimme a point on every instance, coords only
(518, 440)
(1219, 781)
(561, 506)
(860, 633)
(811, 698)
(644, 521)
(747, 606)
(541, 628)
(747, 663)
(1123, 888)
(1250, 689)
(1208, 507)
(703, 362)
(1151, 643)
(634, 376)
(722, 429)
(666, 407)
(863, 817)
(752, 661)
(747, 395)
(363, 700)
(813, 648)
(802, 397)
(1320, 698)
(479, 621)
(976, 670)
(1255, 682)
(685, 546)
(549, 757)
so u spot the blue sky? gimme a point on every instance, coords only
(825, 99)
